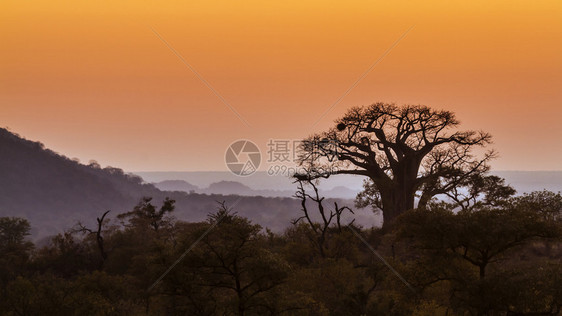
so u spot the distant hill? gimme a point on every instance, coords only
(54, 192)
(341, 186)
(176, 185)
(260, 180)
(229, 187)
(235, 187)
(340, 192)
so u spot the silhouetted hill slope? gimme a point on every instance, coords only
(54, 192)
(49, 188)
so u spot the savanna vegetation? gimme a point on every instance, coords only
(456, 240)
(498, 257)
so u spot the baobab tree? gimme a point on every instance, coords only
(403, 151)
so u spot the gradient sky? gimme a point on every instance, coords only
(90, 79)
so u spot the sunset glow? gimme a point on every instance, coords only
(92, 79)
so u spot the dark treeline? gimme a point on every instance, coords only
(497, 256)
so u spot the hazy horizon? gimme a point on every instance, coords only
(522, 181)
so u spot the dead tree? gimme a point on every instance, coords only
(98, 235)
(320, 229)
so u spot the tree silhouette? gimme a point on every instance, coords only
(477, 254)
(231, 270)
(329, 218)
(15, 249)
(403, 151)
(98, 235)
(145, 214)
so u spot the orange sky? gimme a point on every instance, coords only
(91, 80)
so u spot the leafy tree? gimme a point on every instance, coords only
(548, 204)
(66, 256)
(464, 250)
(479, 190)
(13, 231)
(91, 294)
(479, 237)
(145, 214)
(14, 247)
(403, 151)
(231, 270)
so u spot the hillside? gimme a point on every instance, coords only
(54, 192)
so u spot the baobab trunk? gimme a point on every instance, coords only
(395, 201)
